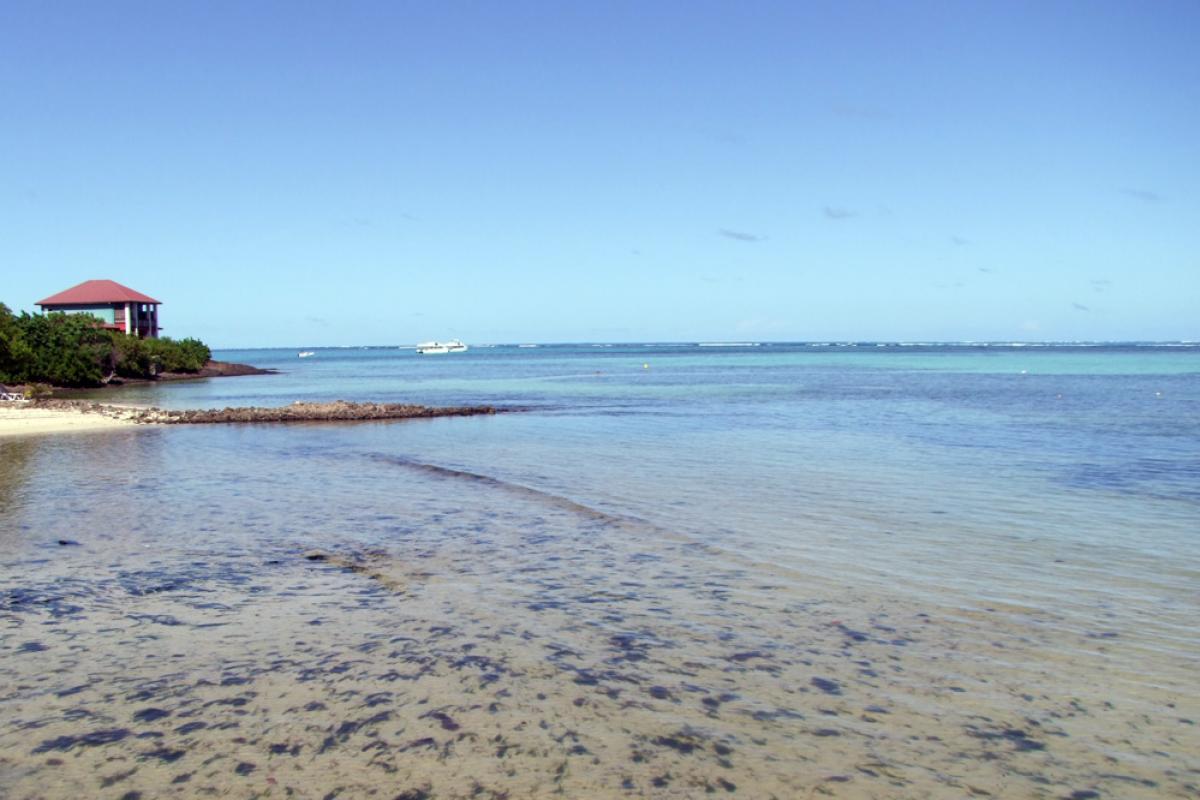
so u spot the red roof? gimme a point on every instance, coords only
(93, 292)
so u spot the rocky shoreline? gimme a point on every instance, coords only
(336, 411)
(213, 369)
(217, 369)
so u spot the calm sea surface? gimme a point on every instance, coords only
(765, 571)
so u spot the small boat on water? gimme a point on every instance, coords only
(305, 354)
(433, 348)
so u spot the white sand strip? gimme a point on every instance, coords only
(17, 420)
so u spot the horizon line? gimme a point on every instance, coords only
(762, 342)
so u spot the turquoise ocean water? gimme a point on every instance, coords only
(1050, 494)
(897, 459)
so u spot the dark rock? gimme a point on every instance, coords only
(679, 742)
(165, 754)
(445, 719)
(421, 793)
(57, 743)
(104, 737)
(93, 739)
(150, 714)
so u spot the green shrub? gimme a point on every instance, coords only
(15, 354)
(131, 358)
(73, 350)
(186, 355)
(194, 354)
(68, 349)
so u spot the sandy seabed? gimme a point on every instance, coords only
(551, 651)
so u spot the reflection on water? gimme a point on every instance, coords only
(373, 611)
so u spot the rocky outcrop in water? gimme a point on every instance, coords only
(336, 411)
(218, 369)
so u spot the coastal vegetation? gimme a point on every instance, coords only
(74, 350)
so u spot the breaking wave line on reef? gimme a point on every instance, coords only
(547, 498)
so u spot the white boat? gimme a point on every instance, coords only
(305, 354)
(433, 348)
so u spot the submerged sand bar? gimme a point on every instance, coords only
(55, 416)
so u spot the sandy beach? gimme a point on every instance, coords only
(18, 419)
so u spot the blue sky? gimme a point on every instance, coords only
(303, 173)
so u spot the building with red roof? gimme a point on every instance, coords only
(118, 307)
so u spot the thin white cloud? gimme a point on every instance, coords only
(857, 111)
(1145, 195)
(740, 236)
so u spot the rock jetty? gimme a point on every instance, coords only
(336, 411)
(217, 369)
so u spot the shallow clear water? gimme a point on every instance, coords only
(864, 571)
